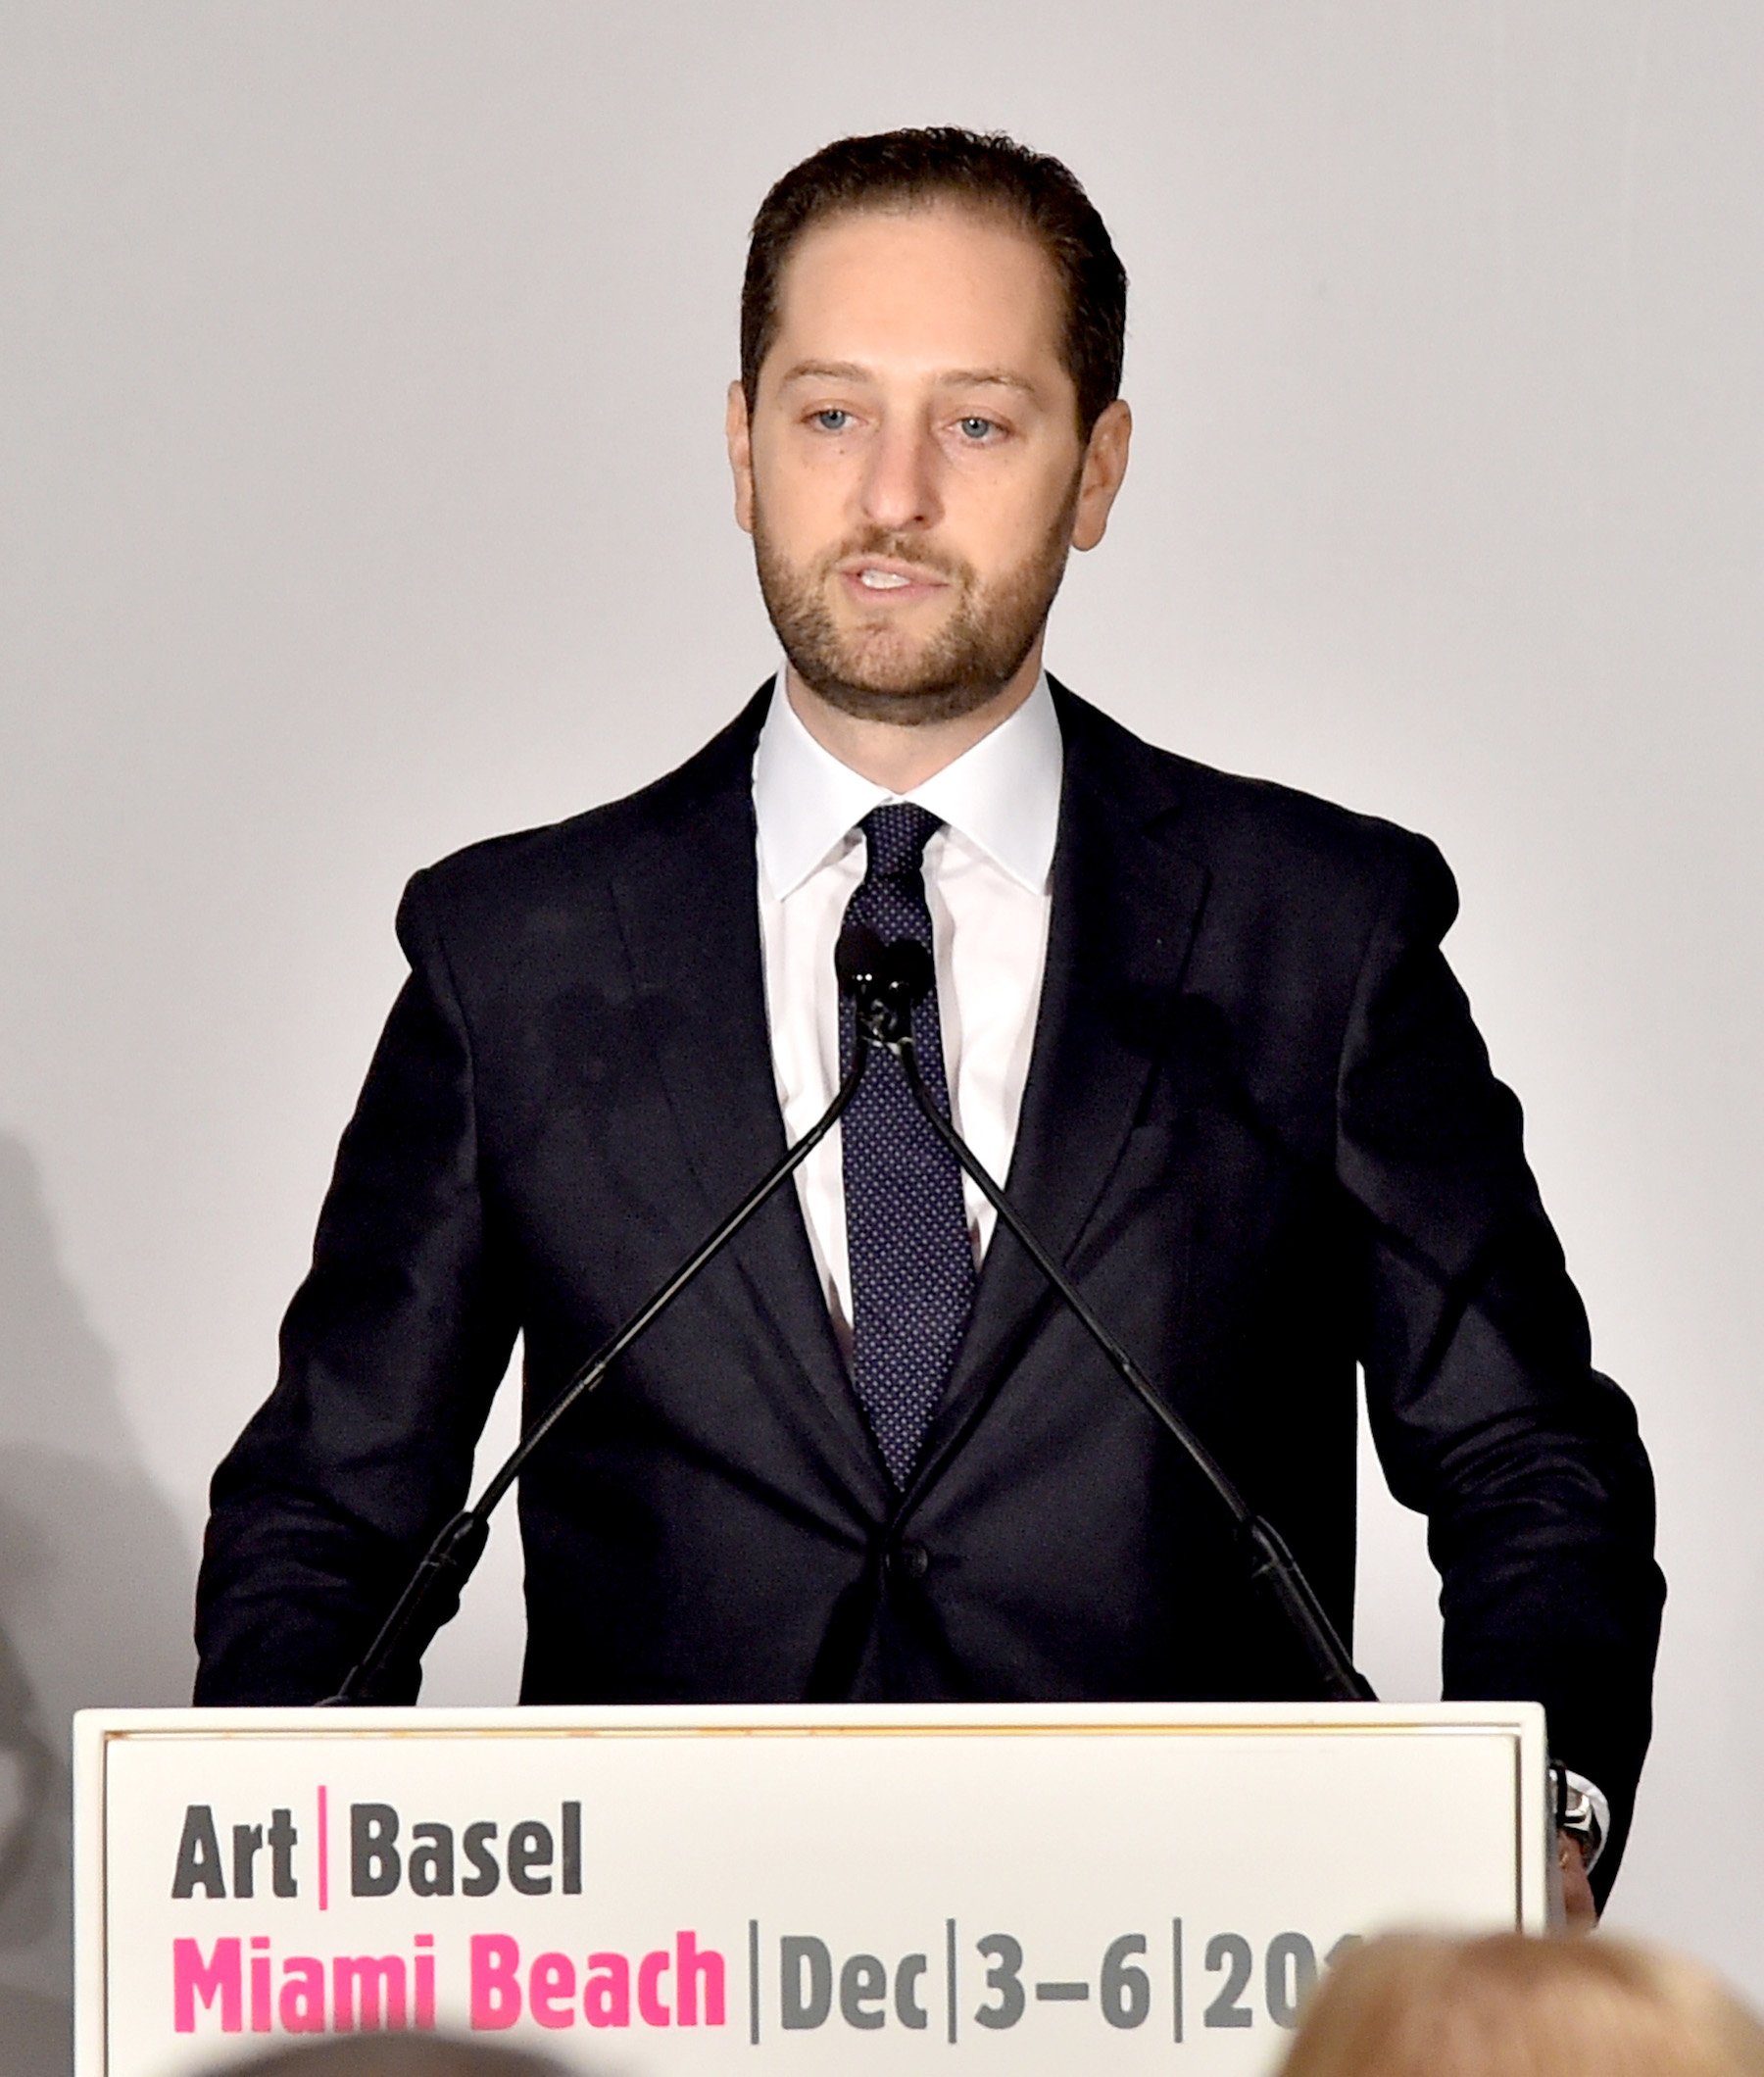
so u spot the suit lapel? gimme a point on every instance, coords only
(688, 905)
(1126, 902)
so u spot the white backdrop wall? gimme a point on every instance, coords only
(360, 381)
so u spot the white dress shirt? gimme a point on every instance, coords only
(988, 886)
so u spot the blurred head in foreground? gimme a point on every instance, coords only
(397, 2055)
(1417, 2006)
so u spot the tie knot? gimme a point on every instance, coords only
(895, 837)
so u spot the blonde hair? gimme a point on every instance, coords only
(1414, 2004)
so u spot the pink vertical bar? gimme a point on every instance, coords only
(324, 1853)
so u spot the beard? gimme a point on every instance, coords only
(878, 672)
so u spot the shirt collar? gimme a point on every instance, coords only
(1003, 795)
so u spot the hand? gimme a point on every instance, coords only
(1577, 1892)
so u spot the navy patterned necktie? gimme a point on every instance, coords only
(907, 1233)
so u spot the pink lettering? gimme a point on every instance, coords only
(495, 1984)
(192, 1978)
(424, 1972)
(694, 1965)
(551, 1991)
(376, 1981)
(260, 2020)
(301, 2006)
(607, 1996)
(650, 1973)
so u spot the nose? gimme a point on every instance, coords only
(899, 491)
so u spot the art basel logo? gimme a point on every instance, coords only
(369, 1853)
(356, 1914)
(381, 1855)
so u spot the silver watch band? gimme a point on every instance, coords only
(1585, 1815)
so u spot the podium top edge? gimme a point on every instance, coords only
(1523, 1718)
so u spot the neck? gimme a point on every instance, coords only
(903, 755)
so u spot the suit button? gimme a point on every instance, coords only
(910, 1560)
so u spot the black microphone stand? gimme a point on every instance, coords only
(432, 1595)
(897, 975)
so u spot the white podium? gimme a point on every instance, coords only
(665, 1891)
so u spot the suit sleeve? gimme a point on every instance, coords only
(390, 1355)
(1485, 1409)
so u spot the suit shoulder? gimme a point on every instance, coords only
(1244, 818)
(500, 879)
(1254, 832)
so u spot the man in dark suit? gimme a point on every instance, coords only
(1204, 1022)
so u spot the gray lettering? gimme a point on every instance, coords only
(282, 1841)
(1005, 1976)
(477, 1851)
(248, 1843)
(431, 1866)
(908, 2008)
(530, 1849)
(862, 1988)
(199, 1855)
(572, 1849)
(374, 1861)
(805, 1981)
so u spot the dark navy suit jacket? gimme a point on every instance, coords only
(1261, 1129)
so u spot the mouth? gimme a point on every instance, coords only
(875, 580)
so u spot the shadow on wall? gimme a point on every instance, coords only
(95, 1600)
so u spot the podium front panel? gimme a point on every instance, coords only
(652, 1891)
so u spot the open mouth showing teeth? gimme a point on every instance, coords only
(882, 580)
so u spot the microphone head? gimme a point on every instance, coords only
(883, 980)
(858, 960)
(907, 975)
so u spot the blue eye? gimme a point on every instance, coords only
(975, 427)
(832, 420)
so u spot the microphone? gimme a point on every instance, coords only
(886, 982)
(431, 1597)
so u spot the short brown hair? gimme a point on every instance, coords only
(1415, 2005)
(904, 168)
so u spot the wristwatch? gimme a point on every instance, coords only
(1583, 1814)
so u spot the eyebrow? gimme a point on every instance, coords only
(985, 377)
(949, 379)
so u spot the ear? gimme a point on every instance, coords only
(739, 434)
(1104, 464)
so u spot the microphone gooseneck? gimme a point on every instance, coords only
(881, 979)
(885, 980)
(431, 1596)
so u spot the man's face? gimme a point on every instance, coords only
(913, 472)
